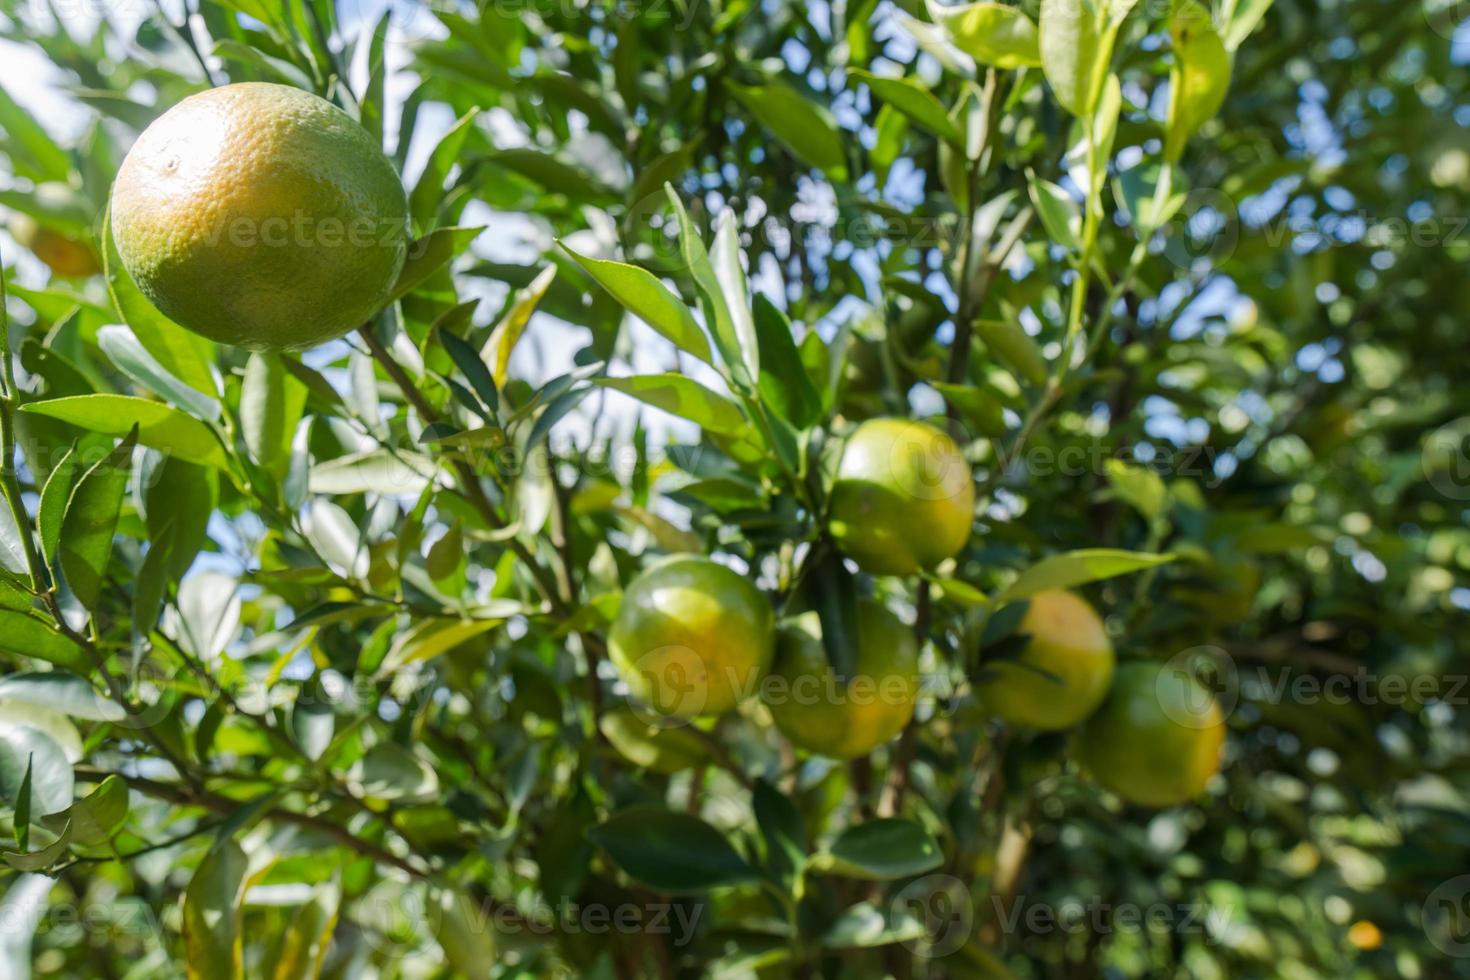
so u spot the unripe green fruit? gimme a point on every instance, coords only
(262, 216)
(848, 717)
(903, 498)
(1062, 674)
(1156, 740)
(692, 637)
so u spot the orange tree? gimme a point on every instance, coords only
(817, 490)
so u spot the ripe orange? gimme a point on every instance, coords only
(66, 256)
(1156, 740)
(903, 498)
(1061, 675)
(844, 718)
(262, 216)
(692, 637)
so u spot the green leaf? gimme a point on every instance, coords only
(1014, 347)
(962, 592)
(1076, 42)
(740, 345)
(991, 33)
(23, 810)
(212, 914)
(304, 948)
(1199, 78)
(784, 382)
(641, 294)
(661, 750)
(160, 427)
(179, 501)
(375, 471)
(864, 926)
(671, 852)
(806, 129)
(124, 350)
(429, 638)
(32, 152)
(1244, 18)
(179, 352)
(96, 818)
(781, 827)
(1078, 568)
(52, 508)
(60, 691)
(91, 520)
(30, 756)
(880, 850)
(717, 312)
(980, 409)
(391, 772)
(1139, 486)
(1060, 215)
(915, 101)
(684, 397)
(470, 364)
(271, 404)
(551, 173)
(423, 202)
(312, 725)
(428, 255)
(512, 325)
(833, 594)
(26, 635)
(465, 933)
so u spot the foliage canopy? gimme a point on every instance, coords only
(305, 656)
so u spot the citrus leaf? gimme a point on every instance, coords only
(672, 852)
(684, 397)
(212, 914)
(428, 254)
(915, 101)
(1199, 78)
(805, 128)
(640, 292)
(52, 508)
(90, 521)
(271, 404)
(427, 194)
(24, 634)
(160, 426)
(784, 382)
(27, 751)
(62, 691)
(512, 325)
(881, 850)
(991, 33)
(1078, 568)
(740, 345)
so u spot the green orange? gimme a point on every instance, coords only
(692, 637)
(262, 216)
(1156, 740)
(844, 718)
(1062, 673)
(903, 498)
